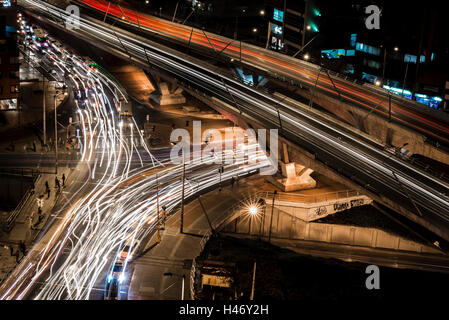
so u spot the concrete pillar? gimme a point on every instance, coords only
(294, 177)
(164, 96)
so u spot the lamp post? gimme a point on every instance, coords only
(304, 27)
(272, 212)
(174, 14)
(56, 130)
(396, 49)
(44, 111)
(182, 192)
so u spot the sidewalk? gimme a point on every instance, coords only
(7, 262)
(171, 253)
(27, 225)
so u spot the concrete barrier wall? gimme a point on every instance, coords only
(314, 211)
(287, 226)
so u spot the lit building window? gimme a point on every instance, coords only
(350, 53)
(409, 58)
(353, 39)
(367, 49)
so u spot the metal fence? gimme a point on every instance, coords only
(11, 219)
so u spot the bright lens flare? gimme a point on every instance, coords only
(253, 207)
(253, 210)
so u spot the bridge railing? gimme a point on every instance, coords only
(11, 219)
(307, 198)
(23, 172)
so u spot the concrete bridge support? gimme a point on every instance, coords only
(165, 93)
(294, 175)
(164, 96)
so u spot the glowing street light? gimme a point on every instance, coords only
(253, 210)
(306, 56)
(378, 83)
(262, 12)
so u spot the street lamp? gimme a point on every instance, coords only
(253, 210)
(56, 128)
(396, 49)
(169, 274)
(306, 56)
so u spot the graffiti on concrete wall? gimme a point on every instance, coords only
(320, 211)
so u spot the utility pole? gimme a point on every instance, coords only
(183, 282)
(220, 171)
(176, 9)
(389, 106)
(43, 110)
(383, 67)
(157, 197)
(272, 212)
(304, 27)
(254, 281)
(405, 78)
(107, 10)
(283, 24)
(182, 192)
(236, 26)
(56, 136)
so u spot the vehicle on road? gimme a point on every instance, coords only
(113, 281)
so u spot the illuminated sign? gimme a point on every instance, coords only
(275, 29)
(278, 15)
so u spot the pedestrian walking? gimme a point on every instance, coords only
(232, 182)
(17, 256)
(34, 146)
(11, 250)
(48, 193)
(63, 180)
(22, 247)
(57, 184)
(46, 186)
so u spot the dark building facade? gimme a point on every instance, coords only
(407, 55)
(9, 56)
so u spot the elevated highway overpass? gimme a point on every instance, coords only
(391, 118)
(317, 141)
